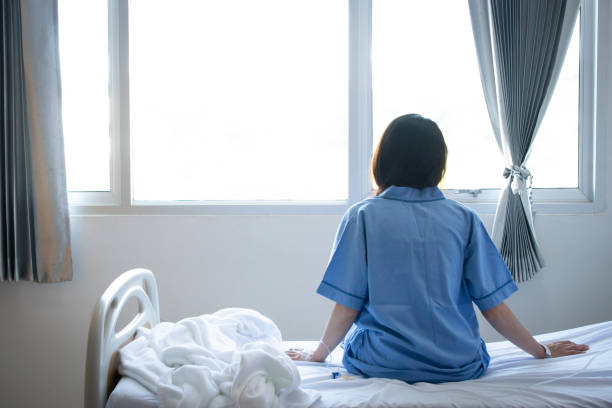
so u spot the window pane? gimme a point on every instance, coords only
(239, 100)
(554, 155)
(83, 38)
(424, 61)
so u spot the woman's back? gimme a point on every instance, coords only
(413, 262)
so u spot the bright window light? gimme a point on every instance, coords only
(83, 40)
(554, 153)
(424, 61)
(239, 100)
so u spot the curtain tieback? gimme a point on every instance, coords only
(519, 177)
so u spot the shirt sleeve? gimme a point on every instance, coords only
(345, 279)
(487, 277)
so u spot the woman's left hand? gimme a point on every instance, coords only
(298, 354)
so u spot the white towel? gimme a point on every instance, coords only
(232, 358)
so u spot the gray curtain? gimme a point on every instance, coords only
(521, 45)
(35, 231)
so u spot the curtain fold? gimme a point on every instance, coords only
(521, 45)
(35, 224)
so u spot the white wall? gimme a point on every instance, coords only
(270, 263)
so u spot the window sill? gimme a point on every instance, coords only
(547, 201)
(561, 201)
(216, 208)
(548, 208)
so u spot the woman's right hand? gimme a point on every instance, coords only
(566, 348)
(506, 323)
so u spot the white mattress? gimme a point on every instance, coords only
(514, 379)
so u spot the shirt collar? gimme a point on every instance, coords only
(411, 194)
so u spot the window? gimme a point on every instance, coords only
(83, 33)
(554, 156)
(429, 66)
(218, 108)
(239, 100)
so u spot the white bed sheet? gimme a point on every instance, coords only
(130, 393)
(514, 379)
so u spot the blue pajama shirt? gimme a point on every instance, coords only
(412, 262)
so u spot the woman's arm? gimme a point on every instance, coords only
(507, 324)
(340, 322)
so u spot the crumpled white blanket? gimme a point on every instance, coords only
(231, 358)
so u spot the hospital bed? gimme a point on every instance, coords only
(514, 379)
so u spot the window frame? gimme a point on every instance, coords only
(587, 198)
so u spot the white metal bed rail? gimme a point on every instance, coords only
(104, 342)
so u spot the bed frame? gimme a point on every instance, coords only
(104, 341)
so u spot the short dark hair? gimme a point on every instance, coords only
(411, 153)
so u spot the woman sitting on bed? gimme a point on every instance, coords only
(405, 268)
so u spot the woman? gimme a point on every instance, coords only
(405, 268)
